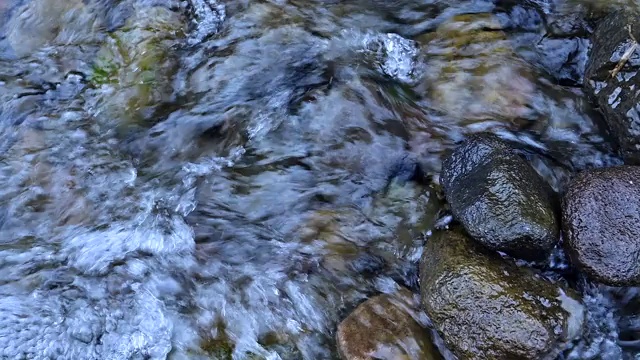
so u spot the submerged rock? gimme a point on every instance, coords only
(499, 198)
(384, 327)
(614, 87)
(39, 23)
(487, 308)
(134, 70)
(601, 221)
(473, 73)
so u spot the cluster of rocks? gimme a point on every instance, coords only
(504, 205)
(612, 79)
(600, 214)
(481, 303)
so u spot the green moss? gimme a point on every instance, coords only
(218, 348)
(222, 349)
(512, 312)
(104, 71)
(136, 62)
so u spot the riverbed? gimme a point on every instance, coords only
(217, 179)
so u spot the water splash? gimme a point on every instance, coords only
(209, 15)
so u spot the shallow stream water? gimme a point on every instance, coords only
(212, 178)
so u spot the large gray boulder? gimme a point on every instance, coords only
(499, 198)
(616, 91)
(384, 327)
(601, 222)
(487, 308)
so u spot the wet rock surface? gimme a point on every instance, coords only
(615, 83)
(499, 198)
(386, 327)
(487, 308)
(601, 223)
(132, 72)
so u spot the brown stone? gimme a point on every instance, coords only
(384, 327)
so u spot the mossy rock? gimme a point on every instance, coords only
(485, 307)
(133, 71)
(223, 348)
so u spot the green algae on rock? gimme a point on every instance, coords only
(135, 66)
(384, 327)
(222, 348)
(485, 307)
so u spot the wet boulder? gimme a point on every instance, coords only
(384, 327)
(132, 74)
(499, 198)
(223, 349)
(613, 83)
(601, 223)
(485, 307)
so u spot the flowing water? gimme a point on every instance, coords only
(214, 178)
